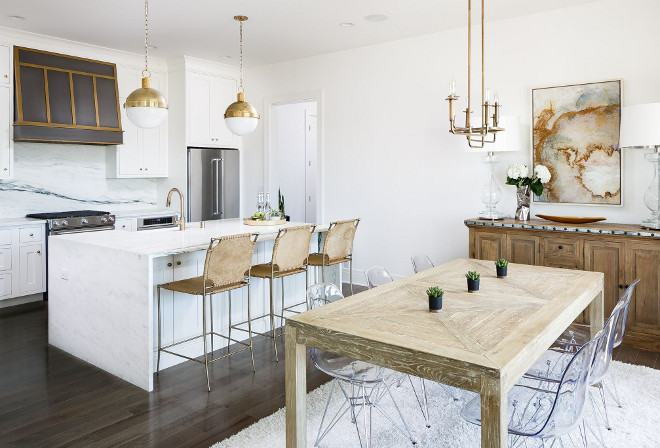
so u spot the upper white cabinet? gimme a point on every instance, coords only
(6, 119)
(144, 152)
(207, 99)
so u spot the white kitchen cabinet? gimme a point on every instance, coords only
(5, 65)
(22, 260)
(31, 266)
(6, 143)
(126, 224)
(207, 99)
(144, 151)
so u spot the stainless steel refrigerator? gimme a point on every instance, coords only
(213, 184)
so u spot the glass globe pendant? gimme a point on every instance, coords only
(146, 107)
(241, 117)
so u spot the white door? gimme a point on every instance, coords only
(199, 109)
(187, 317)
(5, 286)
(223, 94)
(5, 258)
(5, 129)
(5, 58)
(31, 265)
(153, 140)
(129, 159)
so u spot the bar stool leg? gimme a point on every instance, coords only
(229, 335)
(282, 318)
(206, 356)
(350, 273)
(272, 318)
(159, 336)
(250, 327)
(211, 306)
(323, 269)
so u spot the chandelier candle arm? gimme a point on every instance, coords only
(146, 107)
(477, 136)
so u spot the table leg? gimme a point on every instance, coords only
(295, 389)
(494, 430)
(596, 313)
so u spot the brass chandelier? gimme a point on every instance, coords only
(486, 133)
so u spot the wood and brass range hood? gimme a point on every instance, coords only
(62, 98)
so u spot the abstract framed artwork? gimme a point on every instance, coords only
(575, 133)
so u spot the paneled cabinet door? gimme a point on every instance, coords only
(187, 309)
(5, 286)
(6, 156)
(643, 262)
(523, 249)
(208, 97)
(5, 65)
(607, 257)
(31, 268)
(488, 245)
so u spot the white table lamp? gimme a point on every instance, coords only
(508, 140)
(640, 128)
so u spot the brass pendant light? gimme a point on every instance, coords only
(480, 135)
(146, 107)
(241, 118)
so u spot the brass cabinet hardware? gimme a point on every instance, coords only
(169, 265)
(178, 263)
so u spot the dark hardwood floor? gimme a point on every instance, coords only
(51, 399)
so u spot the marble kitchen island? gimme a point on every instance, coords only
(101, 291)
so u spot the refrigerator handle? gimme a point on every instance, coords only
(222, 193)
(216, 184)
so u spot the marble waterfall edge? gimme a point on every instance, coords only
(56, 177)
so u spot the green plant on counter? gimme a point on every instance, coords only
(434, 291)
(473, 275)
(501, 263)
(280, 200)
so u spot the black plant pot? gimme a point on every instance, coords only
(287, 217)
(501, 271)
(435, 304)
(473, 285)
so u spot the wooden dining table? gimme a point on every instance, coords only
(482, 342)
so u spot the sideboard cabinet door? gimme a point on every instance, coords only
(488, 245)
(643, 262)
(523, 249)
(607, 257)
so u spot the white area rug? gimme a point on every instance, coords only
(636, 425)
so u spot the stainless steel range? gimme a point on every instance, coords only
(76, 221)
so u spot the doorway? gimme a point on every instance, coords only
(293, 161)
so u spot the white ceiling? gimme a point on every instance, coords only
(277, 30)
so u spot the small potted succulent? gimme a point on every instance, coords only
(500, 266)
(435, 298)
(473, 281)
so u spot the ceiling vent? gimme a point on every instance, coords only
(65, 99)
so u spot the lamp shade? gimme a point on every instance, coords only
(508, 140)
(241, 118)
(146, 107)
(640, 126)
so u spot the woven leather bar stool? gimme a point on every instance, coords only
(227, 267)
(337, 247)
(290, 253)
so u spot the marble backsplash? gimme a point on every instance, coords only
(59, 177)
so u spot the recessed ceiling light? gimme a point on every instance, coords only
(225, 57)
(347, 24)
(16, 17)
(152, 47)
(376, 18)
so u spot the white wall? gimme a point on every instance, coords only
(388, 157)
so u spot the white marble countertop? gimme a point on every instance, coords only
(145, 212)
(20, 221)
(170, 241)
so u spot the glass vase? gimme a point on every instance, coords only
(523, 199)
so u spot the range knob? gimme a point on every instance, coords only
(56, 223)
(111, 218)
(104, 219)
(84, 221)
(65, 222)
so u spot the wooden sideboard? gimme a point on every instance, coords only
(623, 252)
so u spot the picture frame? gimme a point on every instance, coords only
(575, 133)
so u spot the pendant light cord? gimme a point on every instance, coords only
(240, 61)
(146, 39)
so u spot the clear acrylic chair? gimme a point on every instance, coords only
(547, 413)
(377, 276)
(421, 262)
(363, 385)
(548, 367)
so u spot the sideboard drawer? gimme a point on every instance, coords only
(562, 250)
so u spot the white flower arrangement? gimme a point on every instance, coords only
(517, 175)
